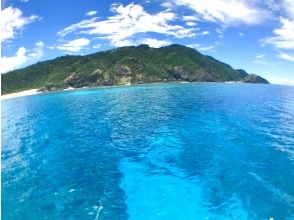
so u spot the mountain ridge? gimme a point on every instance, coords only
(123, 66)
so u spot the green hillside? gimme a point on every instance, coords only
(125, 65)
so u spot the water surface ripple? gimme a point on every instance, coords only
(166, 151)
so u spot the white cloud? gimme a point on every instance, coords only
(96, 46)
(273, 5)
(280, 80)
(123, 43)
(227, 12)
(202, 48)
(207, 48)
(73, 45)
(220, 31)
(128, 21)
(241, 34)
(85, 24)
(205, 33)
(13, 62)
(260, 56)
(286, 56)
(37, 52)
(283, 36)
(12, 21)
(22, 57)
(288, 6)
(91, 13)
(190, 18)
(191, 23)
(259, 59)
(154, 42)
(167, 4)
(195, 45)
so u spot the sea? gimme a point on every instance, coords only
(173, 151)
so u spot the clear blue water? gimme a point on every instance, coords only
(166, 151)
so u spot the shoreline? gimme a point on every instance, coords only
(31, 92)
(20, 94)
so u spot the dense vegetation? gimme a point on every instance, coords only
(125, 65)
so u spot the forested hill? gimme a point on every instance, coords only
(124, 65)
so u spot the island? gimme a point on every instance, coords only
(124, 66)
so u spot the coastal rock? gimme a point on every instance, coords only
(203, 76)
(123, 70)
(252, 78)
(124, 81)
(79, 80)
(97, 72)
(179, 73)
(70, 79)
(52, 87)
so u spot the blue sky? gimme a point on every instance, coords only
(255, 35)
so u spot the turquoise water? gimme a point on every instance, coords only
(166, 151)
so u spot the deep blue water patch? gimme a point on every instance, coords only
(166, 151)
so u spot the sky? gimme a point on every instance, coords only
(255, 35)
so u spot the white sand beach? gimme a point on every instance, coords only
(20, 94)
